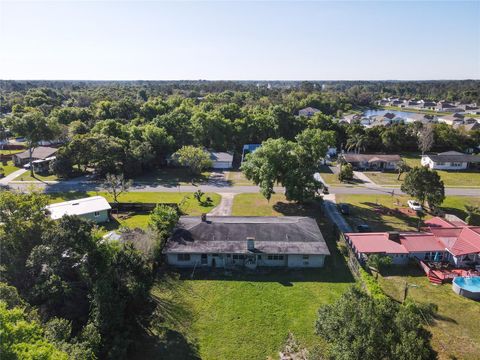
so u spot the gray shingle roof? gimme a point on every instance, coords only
(221, 156)
(228, 234)
(454, 156)
(40, 152)
(371, 157)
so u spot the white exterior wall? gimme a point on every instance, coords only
(297, 261)
(426, 161)
(221, 165)
(172, 260)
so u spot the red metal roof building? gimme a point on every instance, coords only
(442, 240)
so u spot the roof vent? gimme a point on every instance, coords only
(394, 236)
(250, 243)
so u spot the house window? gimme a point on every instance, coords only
(428, 256)
(456, 164)
(96, 213)
(275, 257)
(238, 257)
(305, 257)
(214, 254)
(259, 257)
(183, 257)
(440, 163)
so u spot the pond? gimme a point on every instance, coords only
(402, 114)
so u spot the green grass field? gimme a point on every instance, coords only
(9, 168)
(456, 331)
(254, 204)
(429, 112)
(37, 177)
(330, 178)
(237, 178)
(173, 177)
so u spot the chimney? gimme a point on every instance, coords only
(204, 217)
(250, 243)
(394, 236)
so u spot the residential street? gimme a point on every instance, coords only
(83, 186)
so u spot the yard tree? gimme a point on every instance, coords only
(34, 127)
(163, 220)
(346, 172)
(425, 185)
(426, 138)
(23, 338)
(116, 185)
(473, 212)
(195, 158)
(402, 167)
(357, 142)
(358, 326)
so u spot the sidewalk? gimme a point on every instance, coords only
(334, 215)
(366, 180)
(12, 176)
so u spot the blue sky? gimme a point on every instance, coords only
(240, 40)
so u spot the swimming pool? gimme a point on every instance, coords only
(468, 287)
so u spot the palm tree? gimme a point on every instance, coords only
(402, 167)
(357, 142)
(471, 211)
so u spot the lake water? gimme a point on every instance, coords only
(402, 114)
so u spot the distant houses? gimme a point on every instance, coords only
(450, 160)
(438, 106)
(251, 242)
(308, 111)
(95, 208)
(372, 161)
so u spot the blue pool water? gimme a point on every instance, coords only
(470, 284)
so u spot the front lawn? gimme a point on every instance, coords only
(172, 177)
(237, 178)
(329, 176)
(456, 331)
(9, 168)
(255, 204)
(36, 177)
(378, 211)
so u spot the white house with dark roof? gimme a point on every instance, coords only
(372, 161)
(450, 160)
(38, 153)
(251, 241)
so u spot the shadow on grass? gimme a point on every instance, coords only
(372, 215)
(172, 345)
(297, 209)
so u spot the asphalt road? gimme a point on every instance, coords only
(221, 187)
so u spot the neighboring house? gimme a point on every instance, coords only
(308, 111)
(221, 160)
(351, 118)
(422, 118)
(252, 241)
(442, 240)
(95, 208)
(450, 160)
(38, 153)
(249, 148)
(372, 161)
(43, 166)
(451, 119)
(468, 125)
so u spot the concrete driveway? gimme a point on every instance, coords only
(224, 208)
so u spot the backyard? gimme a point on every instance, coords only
(456, 329)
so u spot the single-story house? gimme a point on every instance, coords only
(450, 160)
(468, 125)
(221, 160)
(308, 111)
(95, 208)
(38, 153)
(372, 161)
(252, 241)
(249, 148)
(43, 166)
(422, 118)
(451, 119)
(442, 240)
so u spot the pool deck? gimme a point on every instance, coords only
(447, 274)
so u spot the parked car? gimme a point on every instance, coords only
(344, 209)
(363, 228)
(414, 205)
